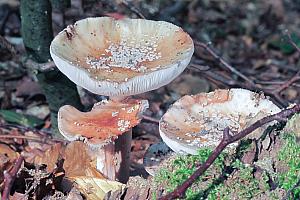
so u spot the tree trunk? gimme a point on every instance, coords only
(37, 36)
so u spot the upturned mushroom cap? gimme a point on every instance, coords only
(104, 123)
(198, 121)
(121, 57)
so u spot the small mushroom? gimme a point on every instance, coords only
(100, 127)
(118, 58)
(198, 121)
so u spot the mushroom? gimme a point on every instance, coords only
(118, 58)
(100, 127)
(198, 121)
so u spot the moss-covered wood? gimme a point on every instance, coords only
(37, 36)
(37, 28)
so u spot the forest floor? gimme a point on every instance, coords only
(254, 39)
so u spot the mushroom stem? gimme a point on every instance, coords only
(113, 160)
(117, 98)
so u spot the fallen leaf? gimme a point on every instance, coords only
(7, 157)
(98, 189)
(77, 160)
(50, 157)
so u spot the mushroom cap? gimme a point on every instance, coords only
(154, 156)
(121, 57)
(104, 123)
(198, 121)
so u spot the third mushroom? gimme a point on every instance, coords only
(198, 121)
(116, 58)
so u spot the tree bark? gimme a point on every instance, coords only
(37, 36)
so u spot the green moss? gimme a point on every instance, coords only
(242, 185)
(290, 154)
(184, 166)
(240, 182)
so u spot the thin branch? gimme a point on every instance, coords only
(45, 140)
(133, 9)
(227, 139)
(291, 41)
(288, 83)
(9, 178)
(24, 128)
(224, 63)
(150, 119)
(296, 77)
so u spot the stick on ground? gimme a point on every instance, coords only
(9, 178)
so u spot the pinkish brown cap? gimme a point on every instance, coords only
(121, 57)
(104, 123)
(198, 121)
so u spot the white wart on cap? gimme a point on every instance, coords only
(121, 57)
(198, 121)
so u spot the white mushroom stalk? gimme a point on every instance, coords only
(198, 121)
(119, 58)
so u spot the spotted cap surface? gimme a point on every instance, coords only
(198, 121)
(121, 57)
(104, 123)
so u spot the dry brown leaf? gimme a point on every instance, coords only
(7, 157)
(78, 160)
(50, 157)
(6, 150)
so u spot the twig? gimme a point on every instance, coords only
(224, 63)
(133, 9)
(45, 140)
(274, 83)
(24, 128)
(9, 178)
(151, 119)
(227, 139)
(291, 41)
(214, 76)
(292, 80)
(288, 83)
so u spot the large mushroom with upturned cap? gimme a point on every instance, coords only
(198, 121)
(116, 58)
